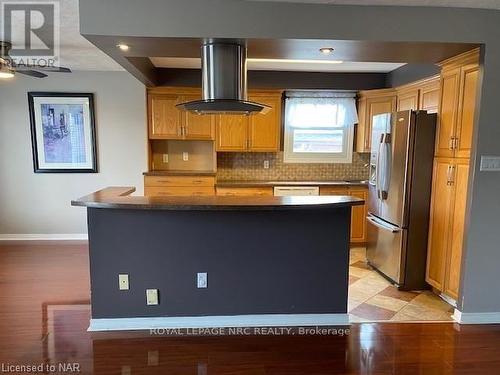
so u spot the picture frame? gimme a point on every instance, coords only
(63, 133)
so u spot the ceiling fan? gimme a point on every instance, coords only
(8, 67)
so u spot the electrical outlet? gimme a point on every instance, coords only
(185, 156)
(152, 296)
(490, 163)
(266, 164)
(165, 158)
(123, 282)
(202, 280)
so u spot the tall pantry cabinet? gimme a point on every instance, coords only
(459, 87)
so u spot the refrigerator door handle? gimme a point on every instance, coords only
(383, 225)
(377, 178)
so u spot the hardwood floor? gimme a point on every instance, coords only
(44, 312)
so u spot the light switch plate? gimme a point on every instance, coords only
(152, 296)
(266, 164)
(165, 158)
(123, 282)
(490, 163)
(202, 280)
(185, 156)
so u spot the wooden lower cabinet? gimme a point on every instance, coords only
(447, 220)
(179, 185)
(244, 191)
(358, 214)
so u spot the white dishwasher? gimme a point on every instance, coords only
(282, 191)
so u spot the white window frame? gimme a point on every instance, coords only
(320, 157)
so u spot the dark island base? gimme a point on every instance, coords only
(258, 262)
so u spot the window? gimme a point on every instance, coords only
(319, 129)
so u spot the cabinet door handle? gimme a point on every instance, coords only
(448, 176)
(185, 130)
(456, 143)
(451, 143)
(452, 175)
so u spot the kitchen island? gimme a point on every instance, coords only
(269, 261)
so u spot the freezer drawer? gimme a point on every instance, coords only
(385, 248)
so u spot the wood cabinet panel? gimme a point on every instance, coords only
(159, 181)
(460, 176)
(333, 190)
(232, 133)
(197, 127)
(178, 191)
(466, 110)
(439, 227)
(244, 191)
(408, 100)
(372, 103)
(450, 82)
(164, 117)
(264, 129)
(358, 217)
(429, 97)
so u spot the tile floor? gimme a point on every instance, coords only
(373, 298)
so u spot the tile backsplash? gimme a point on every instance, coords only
(250, 166)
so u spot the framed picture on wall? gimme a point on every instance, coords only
(63, 132)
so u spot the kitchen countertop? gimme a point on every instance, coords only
(119, 197)
(179, 173)
(257, 183)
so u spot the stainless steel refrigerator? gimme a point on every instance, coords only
(401, 160)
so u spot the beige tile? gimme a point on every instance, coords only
(359, 272)
(387, 302)
(430, 300)
(359, 294)
(352, 303)
(417, 313)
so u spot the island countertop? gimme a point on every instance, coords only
(120, 198)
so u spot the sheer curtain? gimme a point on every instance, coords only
(321, 112)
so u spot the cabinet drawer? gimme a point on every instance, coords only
(178, 191)
(151, 181)
(333, 190)
(245, 191)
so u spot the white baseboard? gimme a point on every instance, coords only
(260, 320)
(476, 318)
(43, 237)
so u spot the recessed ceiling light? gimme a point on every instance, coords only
(123, 47)
(326, 50)
(295, 61)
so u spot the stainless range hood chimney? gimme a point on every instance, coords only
(224, 81)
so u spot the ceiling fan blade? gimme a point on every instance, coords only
(50, 69)
(32, 73)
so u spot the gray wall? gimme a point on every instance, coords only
(33, 203)
(248, 19)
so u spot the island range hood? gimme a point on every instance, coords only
(224, 82)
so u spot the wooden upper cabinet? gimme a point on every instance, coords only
(264, 129)
(197, 127)
(450, 81)
(459, 87)
(439, 227)
(459, 178)
(466, 110)
(257, 133)
(408, 100)
(429, 96)
(164, 118)
(232, 133)
(371, 103)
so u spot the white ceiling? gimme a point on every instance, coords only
(77, 53)
(482, 4)
(289, 65)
